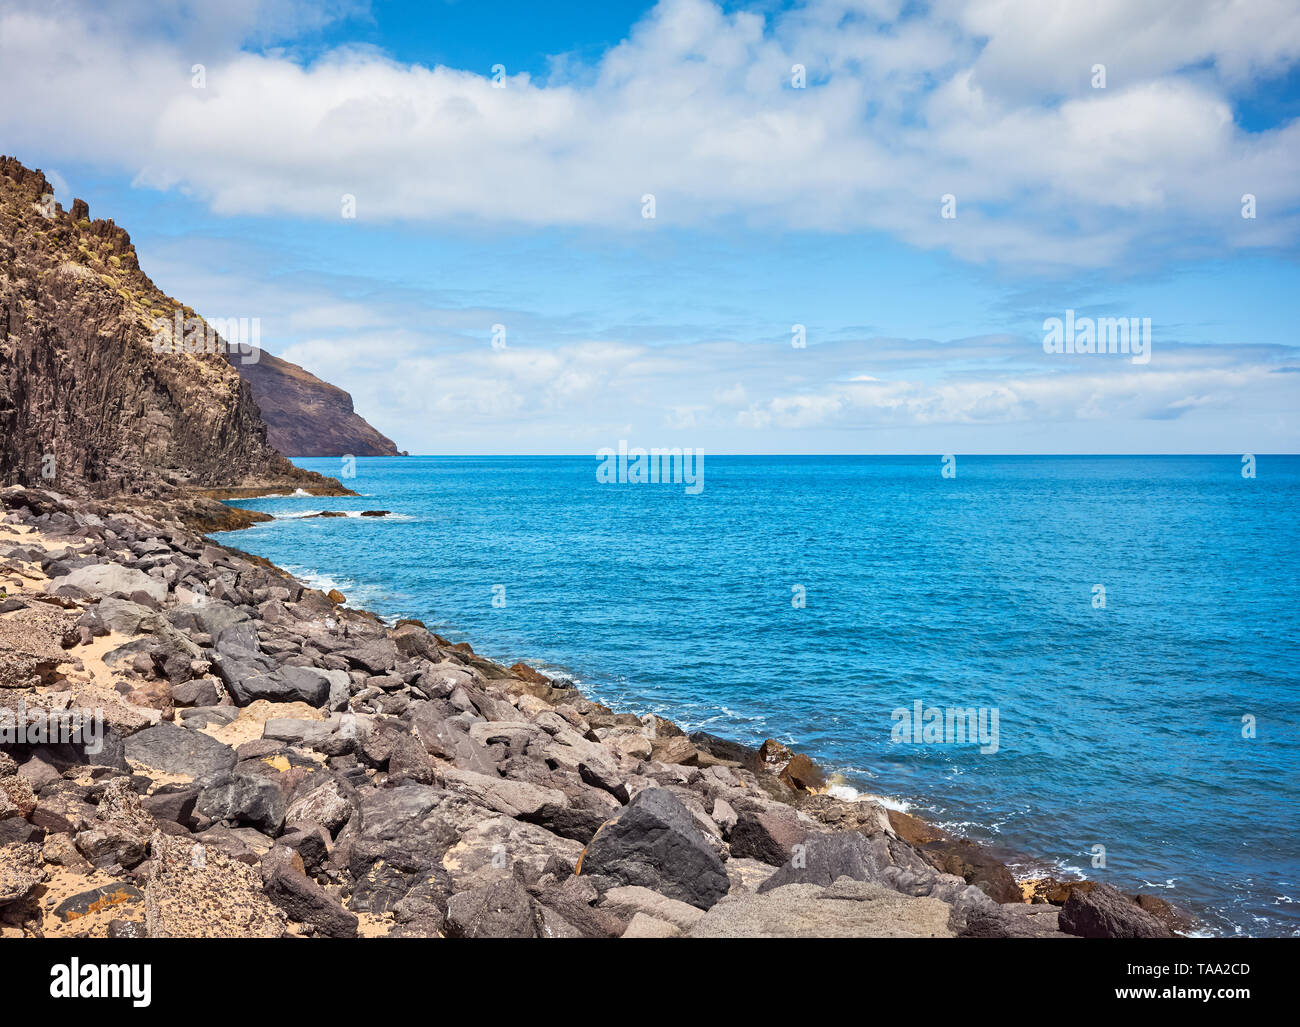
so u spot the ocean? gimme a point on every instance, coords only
(1128, 625)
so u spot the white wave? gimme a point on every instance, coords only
(847, 793)
(298, 515)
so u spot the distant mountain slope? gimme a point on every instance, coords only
(305, 416)
(99, 392)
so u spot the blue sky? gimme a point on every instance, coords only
(775, 206)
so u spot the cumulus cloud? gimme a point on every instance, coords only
(990, 101)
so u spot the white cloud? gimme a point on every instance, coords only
(988, 100)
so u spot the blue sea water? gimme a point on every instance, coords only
(1119, 726)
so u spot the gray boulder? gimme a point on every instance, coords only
(247, 799)
(101, 579)
(824, 858)
(308, 903)
(176, 750)
(655, 843)
(769, 836)
(500, 909)
(847, 909)
(286, 684)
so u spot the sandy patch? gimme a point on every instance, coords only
(251, 722)
(94, 669)
(374, 925)
(117, 904)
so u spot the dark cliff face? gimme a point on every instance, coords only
(88, 404)
(306, 416)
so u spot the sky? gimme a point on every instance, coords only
(910, 190)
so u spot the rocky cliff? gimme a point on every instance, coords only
(108, 386)
(306, 416)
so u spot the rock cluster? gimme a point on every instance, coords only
(276, 763)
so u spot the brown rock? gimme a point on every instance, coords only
(526, 673)
(975, 865)
(1106, 912)
(913, 830)
(802, 774)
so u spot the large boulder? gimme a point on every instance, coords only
(197, 891)
(306, 902)
(655, 843)
(177, 750)
(769, 836)
(513, 798)
(1015, 920)
(245, 798)
(975, 865)
(499, 909)
(119, 836)
(287, 684)
(824, 858)
(102, 579)
(1106, 912)
(846, 909)
(397, 841)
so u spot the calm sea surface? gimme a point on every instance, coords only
(1119, 726)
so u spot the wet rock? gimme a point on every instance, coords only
(975, 865)
(1106, 912)
(1169, 915)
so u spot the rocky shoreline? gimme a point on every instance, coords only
(269, 762)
